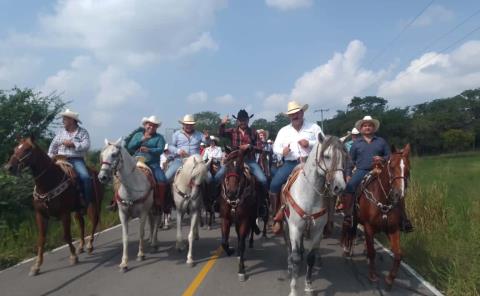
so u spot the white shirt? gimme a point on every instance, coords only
(212, 153)
(288, 135)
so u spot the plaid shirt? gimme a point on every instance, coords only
(238, 138)
(80, 139)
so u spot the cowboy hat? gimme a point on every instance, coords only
(242, 114)
(213, 138)
(187, 119)
(262, 131)
(294, 107)
(269, 141)
(367, 118)
(202, 144)
(354, 131)
(152, 119)
(166, 147)
(70, 114)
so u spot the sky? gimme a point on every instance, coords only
(117, 61)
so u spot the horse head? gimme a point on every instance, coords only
(330, 162)
(398, 168)
(110, 158)
(23, 156)
(234, 169)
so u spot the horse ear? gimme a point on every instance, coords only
(106, 142)
(393, 148)
(406, 150)
(321, 137)
(118, 142)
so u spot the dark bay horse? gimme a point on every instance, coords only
(210, 198)
(379, 209)
(238, 206)
(55, 195)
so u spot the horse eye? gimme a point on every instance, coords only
(327, 157)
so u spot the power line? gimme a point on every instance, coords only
(384, 49)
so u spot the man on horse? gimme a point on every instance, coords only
(293, 142)
(73, 143)
(149, 145)
(185, 142)
(213, 151)
(364, 151)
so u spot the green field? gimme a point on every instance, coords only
(444, 205)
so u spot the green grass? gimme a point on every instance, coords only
(18, 240)
(444, 205)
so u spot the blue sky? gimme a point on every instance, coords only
(121, 60)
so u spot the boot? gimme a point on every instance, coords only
(405, 224)
(277, 226)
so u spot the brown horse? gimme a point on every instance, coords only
(380, 201)
(55, 195)
(210, 199)
(238, 205)
(264, 160)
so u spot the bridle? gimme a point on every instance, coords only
(329, 173)
(23, 164)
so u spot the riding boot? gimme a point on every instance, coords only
(277, 226)
(405, 224)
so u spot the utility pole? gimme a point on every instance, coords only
(321, 116)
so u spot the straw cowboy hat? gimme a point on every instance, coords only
(354, 131)
(187, 119)
(213, 138)
(294, 107)
(262, 131)
(152, 119)
(367, 118)
(70, 114)
(166, 147)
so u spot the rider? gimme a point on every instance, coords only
(73, 143)
(185, 142)
(354, 134)
(293, 142)
(213, 151)
(364, 151)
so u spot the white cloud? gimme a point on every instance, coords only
(199, 97)
(434, 14)
(116, 88)
(227, 99)
(18, 70)
(289, 4)
(435, 76)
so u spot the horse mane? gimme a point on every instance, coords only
(193, 168)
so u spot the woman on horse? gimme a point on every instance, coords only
(364, 151)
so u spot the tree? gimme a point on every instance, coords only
(455, 140)
(23, 113)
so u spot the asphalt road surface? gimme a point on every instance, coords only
(165, 273)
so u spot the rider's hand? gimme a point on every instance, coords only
(304, 143)
(286, 150)
(68, 144)
(244, 147)
(182, 153)
(144, 149)
(225, 119)
(377, 158)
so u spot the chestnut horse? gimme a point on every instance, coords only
(379, 209)
(55, 195)
(238, 205)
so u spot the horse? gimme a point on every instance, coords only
(378, 209)
(238, 205)
(134, 196)
(305, 194)
(264, 160)
(187, 195)
(210, 198)
(56, 194)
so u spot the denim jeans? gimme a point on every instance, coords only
(158, 173)
(356, 179)
(85, 179)
(281, 175)
(173, 167)
(254, 168)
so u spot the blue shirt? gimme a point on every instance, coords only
(155, 145)
(362, 153)
(187, 143)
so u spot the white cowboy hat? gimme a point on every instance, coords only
(202, 144)
(152, 119)
(213, 138)
(166, 147)
(70, 114)
(263, 131)
(355, 131)
(294, 107)
(367, 118)
(269, 141)
(187, 119)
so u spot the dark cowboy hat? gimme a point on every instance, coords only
(242, 114)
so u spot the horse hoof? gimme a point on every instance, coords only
(123, 269)
(209, 228)
(34, 272)
(196, 237)
(389, 282)
(73, 260)
(90, 251)
(309, 292)
(241, 277)
(190, 263)
(373, 278)
(80, 251)
(140, 258)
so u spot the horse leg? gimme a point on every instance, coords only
(124, 220)
(141, 239)
(154, 220)
(94, 216)
(67, 236)
(42, 223)
(369, 235)
(310, 264)
(81, 225)
(179, 245)
(242, 236)
(294, 258)
(226, 236)
(191, 236)
(250, 241)
(395, 245)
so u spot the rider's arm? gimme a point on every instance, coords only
(173, 148)
(135, 142)
(279, 141)
(82, 141)
(53, 149)
(386, 150)
(224, 132)
(353, 160)
(158, 149)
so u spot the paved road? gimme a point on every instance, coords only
(165, 272)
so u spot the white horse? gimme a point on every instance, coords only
(135, 195)
(187, 195)
(320, 177)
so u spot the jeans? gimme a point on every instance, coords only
(85, 179)
(254, 168)
(173, 167)
(158, 173)
(356, 179)
(281, 175)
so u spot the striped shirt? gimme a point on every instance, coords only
(80, 139)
